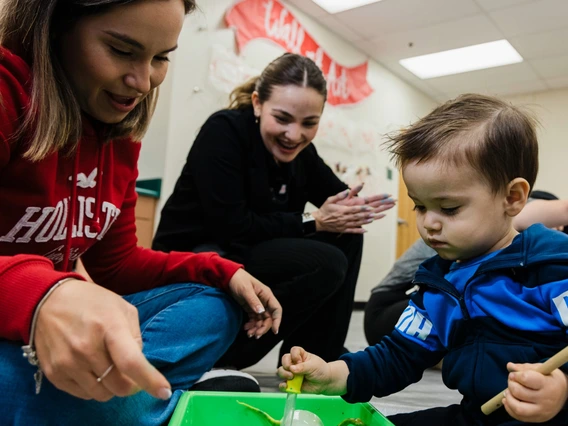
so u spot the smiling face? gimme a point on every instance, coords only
(289, 120)
(115, 59)
(457, 214)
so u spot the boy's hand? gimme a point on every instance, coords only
(319, 376)
(534, 397)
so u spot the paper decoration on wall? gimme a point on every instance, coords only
(341, 132)
(227, 70)
(271, 20)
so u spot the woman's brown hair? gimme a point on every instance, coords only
(288, 69)
(53, 121)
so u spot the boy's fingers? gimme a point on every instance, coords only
(130, 361)
(296, 354)
(286, 361)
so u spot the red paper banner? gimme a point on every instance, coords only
(271, 20)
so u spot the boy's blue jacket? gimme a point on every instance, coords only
(514, 308)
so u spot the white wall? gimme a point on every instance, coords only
(551, 108)
(191, 98)
(153, 154)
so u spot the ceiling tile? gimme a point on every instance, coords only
(443, 98)
(557, 83)
(307, 6)
(504, 89)
(411, 79)
(489, 5)
(339, 27)
(533, 17)
(541, 45)
(552, 67)
(384, 17)
(538, 29)
(436, 38)
(491, 77)
(512, 88)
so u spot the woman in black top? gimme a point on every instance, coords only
(242, 193)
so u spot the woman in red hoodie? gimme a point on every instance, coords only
(78, 83)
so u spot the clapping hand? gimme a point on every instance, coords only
(347, 213)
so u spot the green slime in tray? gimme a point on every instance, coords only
(273, 422)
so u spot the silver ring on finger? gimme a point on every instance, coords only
(107, 371)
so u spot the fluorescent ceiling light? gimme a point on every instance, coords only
(336, 6)
(455, 61)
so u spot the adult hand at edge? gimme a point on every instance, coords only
(263, 309)
(82, 329)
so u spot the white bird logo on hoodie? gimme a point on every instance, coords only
(84, 181)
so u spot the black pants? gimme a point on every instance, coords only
(382, 312)
(456, 415)
(441, 416)
(314, 280)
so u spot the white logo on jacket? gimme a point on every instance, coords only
(84, 181)
(414, 324)
(45, 224)
(50, 223)
(562, 306)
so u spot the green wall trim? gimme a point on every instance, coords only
(149, 187)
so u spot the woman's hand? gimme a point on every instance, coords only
(82, 329)
(346, 213)
(533, 397)
(257, 300)
(327, 378)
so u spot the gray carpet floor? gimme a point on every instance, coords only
(429, 392)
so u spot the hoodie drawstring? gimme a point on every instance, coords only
(73, 203)
(98, 200)
(72, 209)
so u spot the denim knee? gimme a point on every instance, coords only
(224, 317)
(188, 324)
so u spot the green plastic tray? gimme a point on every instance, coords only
(222, 409)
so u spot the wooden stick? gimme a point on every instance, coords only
(548, 367)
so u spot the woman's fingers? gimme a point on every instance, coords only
(128, 359)
(377, 198)
(72, 387)
(354, 191)
(118, 384)
(364, 220)
(337, 197)
(258, 327)
(87, 381)
(383, 207)
(354, 231)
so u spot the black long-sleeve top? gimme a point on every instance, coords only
(232, 193)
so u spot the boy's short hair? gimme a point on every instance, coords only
(494, 137)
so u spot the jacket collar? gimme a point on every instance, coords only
(537, 244)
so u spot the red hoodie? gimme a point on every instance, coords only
(60, 208)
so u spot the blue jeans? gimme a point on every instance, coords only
(185, 329)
